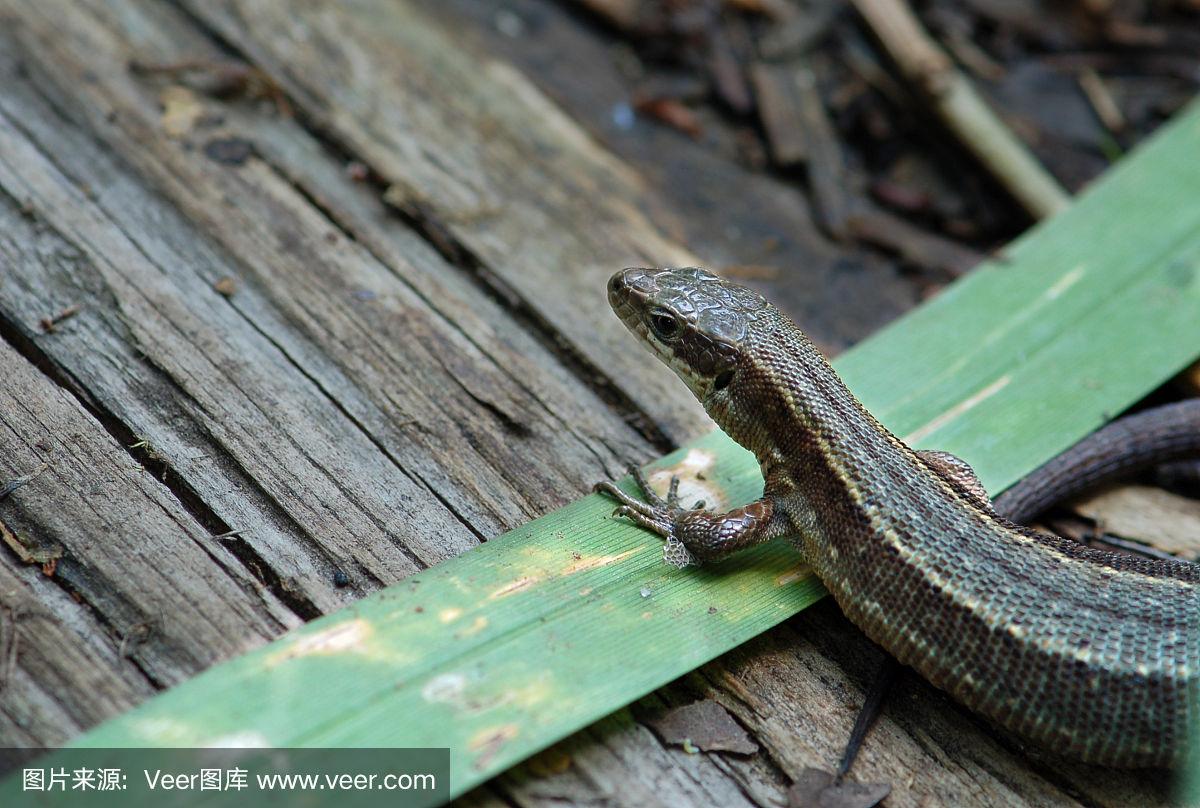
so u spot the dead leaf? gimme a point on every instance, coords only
(816, 789)
(705, 725)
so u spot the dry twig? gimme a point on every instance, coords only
(1102, 101)
(911, 242)
(826, 162)
(780, 111)
(961, 108)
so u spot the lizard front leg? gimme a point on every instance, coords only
(694, 536)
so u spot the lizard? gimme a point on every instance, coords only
(1090, 653)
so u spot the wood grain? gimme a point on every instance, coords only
(495, 186)
(410, 415)
(83, 637)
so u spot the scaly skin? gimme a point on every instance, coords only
(1092, 654)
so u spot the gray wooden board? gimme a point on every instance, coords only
(410, 412)
(546, 212)
(306, 410)
(51, 645)
(360, 404)
(142, 596)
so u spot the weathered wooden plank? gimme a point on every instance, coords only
(532, 635)
(108, 587)
(314, 495)
(619, 760)
(413, 414)
(224, 408)
(1151, 516)
(179, 435)
(469, 145)
(51, 645)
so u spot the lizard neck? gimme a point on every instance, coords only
(791, 410)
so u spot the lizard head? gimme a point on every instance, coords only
(694, 321)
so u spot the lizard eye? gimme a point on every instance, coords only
(723, 379)
(663, 324)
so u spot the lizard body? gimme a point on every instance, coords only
(1093, 654)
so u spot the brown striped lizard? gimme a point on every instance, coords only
(1090, 653)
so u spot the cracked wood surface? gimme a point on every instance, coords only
(122, 590)
(383, 390)
(544, 211)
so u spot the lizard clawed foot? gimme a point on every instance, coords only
(656, 514)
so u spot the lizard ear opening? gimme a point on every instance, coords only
(722, 381)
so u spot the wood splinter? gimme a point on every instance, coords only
(50, 324)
